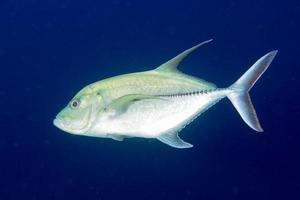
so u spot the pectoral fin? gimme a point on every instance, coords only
(121, 104)
(174, 140)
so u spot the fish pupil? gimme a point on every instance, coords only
(75, 103)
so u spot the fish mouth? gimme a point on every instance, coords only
(58, 122)
(65, 124)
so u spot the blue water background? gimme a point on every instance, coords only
(51, 49)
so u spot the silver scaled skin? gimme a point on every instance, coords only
(156, 103)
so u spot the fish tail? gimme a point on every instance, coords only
(239, 96)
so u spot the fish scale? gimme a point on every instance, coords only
(152, 117)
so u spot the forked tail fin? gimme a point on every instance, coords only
(240, 97)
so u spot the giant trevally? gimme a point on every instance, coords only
(156, 103)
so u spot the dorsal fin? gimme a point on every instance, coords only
(171, 65)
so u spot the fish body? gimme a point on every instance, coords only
(156, 103)
(168, 101)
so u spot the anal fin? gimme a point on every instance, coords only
(116, 137)
(172, 139)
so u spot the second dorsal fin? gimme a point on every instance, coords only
(171, 65)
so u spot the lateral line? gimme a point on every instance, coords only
(200, 92)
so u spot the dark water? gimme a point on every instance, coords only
(51, 49)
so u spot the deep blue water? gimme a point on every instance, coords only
(51, 49)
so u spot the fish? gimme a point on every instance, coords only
(157, 103)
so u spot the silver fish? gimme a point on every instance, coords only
(156, 103)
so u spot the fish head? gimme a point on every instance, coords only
(78, 116)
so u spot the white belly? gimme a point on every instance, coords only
(153, 117)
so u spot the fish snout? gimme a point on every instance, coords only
(62, 122)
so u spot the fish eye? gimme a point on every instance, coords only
(75, 103)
